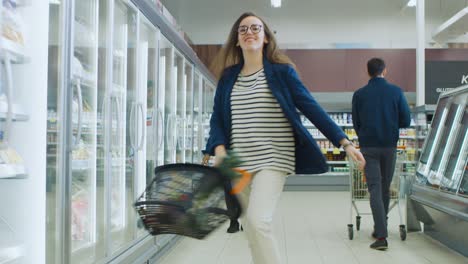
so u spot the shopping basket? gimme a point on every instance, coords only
(188, 199)
(359, 192)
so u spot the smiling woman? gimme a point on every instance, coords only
(231, 53)
(255, 116)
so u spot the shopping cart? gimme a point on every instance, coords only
(359, 192)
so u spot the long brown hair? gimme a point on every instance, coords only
(231, 54)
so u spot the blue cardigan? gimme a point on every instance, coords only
(379, 110)
(291, 94)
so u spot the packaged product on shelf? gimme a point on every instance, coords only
(12, 22)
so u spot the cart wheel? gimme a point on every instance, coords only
(358, 222)
(350, 231)
(403, 232)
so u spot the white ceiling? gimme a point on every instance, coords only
(303, 8)
(198, 15)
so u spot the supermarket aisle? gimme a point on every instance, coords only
(311, 227)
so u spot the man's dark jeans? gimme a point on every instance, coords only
(380, 165)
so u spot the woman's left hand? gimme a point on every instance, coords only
(356, 155)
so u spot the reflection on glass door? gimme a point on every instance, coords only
(84, 124)
(188, 146)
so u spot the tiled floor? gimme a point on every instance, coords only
(311, 227)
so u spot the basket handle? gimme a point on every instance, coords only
(205, 159)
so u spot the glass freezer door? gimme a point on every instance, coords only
(124, 109)
(54, 135)
(84, 71)
(148, 84)
(189, 113)
(147, 50)
(167, 75)
(458, 157)
(180, 121)
(208, 100)
(197, 118)
(448, 132)
(431, 142)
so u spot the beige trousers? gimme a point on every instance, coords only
(259, 201)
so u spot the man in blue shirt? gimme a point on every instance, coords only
(379, 110)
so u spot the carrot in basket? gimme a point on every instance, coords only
(242, 182)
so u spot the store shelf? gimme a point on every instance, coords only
(338, 124)
(81, 164)
(337, 162)
(13, 171)
(10, 252)
(331, 173)
(18, 113)
(332, 149)
(15, 50)
(10, 248)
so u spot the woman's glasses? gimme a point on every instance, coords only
(255, 28)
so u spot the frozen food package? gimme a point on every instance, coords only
(12, 22)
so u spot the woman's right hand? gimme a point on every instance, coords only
(220, 154)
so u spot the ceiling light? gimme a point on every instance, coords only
(411, 3)
(276, 3)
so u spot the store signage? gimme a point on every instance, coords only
(443, 76)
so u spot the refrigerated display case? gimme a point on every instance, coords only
(439, 190)
(12, 52)
(422, 116)
(120, 97)
(23, 82)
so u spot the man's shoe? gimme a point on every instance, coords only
(380, 245)
(233, 227)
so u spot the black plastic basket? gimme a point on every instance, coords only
(184, 199)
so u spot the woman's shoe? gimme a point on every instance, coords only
(233, 227)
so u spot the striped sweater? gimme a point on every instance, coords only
(261, 135)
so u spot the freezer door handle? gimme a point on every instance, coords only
(143, 126)
(132, 125)
(77, 82)
(160, 128)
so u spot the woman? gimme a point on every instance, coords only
(255, 115)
